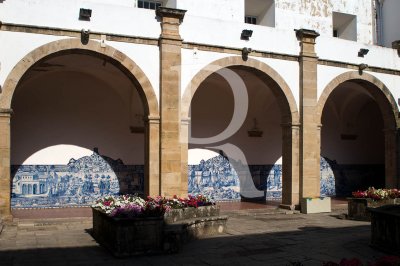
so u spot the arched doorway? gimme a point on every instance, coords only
(358, 135)
(245, 128)
(66, 97)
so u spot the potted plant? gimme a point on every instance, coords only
(371, 198)
(129, 225)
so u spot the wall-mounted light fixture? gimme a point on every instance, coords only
(85, 14)
(246, 34)
(362, 52)
(245, 53)
(361, 67)
(255, 132)
(85, 34)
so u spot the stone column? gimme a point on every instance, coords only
(391, 180)
(5, 161)
(185, 122)
(309, 128)
(152, 157)
(170, 43)
(290, 166)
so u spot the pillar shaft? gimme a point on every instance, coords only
(5, 161)
(290, 166)
(152, 179)
(170, 44)
(309, 128)
(391, 158)
(185, 122)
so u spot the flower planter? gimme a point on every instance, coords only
(176, 215)
(315, 205)
(358, 207)
(127, 237)
(385, 228)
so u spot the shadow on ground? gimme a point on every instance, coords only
(310, 245)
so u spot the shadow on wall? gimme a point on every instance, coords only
(352, 177)
(78, 183)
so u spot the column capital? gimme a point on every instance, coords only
(185, 120)
(307, 44)
(163, 12)
(171, 18)
(153, 120)
(291, 125)
(305, 35)
(6, 112)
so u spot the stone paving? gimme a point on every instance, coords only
(253, 238)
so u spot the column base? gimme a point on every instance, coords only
(289, 207)
(315, 205)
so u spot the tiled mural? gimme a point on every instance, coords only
(79, 183)
(82, 181)
(217, 179)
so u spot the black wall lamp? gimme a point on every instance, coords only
(246, 34)
(85, 14)
(361, 67)
(85, 34)
(245, 53)
(362, 52)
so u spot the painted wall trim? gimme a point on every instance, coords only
(4, 26)
(76, 33)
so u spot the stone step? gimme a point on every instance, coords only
(256, 212)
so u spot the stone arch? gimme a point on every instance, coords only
(388, 107)
(283, 93)
(384, 98)
(289, 112)
(114, 56)
(122, 61)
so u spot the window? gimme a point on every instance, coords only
(250, 20)
(260, 12)
(344, 26)
(148, 4)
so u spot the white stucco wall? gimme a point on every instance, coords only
(118, 17)
(347, 51)
(325, 75)
(20, 44)
(229, 10)
(68, 108)
(145, 56)
(392, 83)
(317, 15)
(228, 33)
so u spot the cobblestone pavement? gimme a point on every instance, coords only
(252, 238)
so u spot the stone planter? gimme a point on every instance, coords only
(127, 237)
(385, 228)
(315, 205)
(176, 215)
(358, 207)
